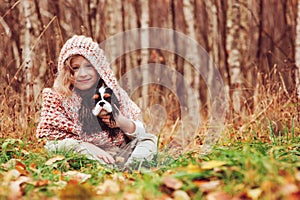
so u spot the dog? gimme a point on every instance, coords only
(106, 103)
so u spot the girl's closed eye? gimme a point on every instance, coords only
(75, 68)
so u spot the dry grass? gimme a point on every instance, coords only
(274, 110)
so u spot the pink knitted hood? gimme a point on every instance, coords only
(86, 47)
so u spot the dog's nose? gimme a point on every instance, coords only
(101, 104)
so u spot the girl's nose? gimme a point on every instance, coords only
(82, 71)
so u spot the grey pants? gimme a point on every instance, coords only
(139, 149)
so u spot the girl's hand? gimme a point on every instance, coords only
(106, 157)
(122, 122)
(107, 121)
(100, 153)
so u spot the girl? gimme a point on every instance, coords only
(66, 107)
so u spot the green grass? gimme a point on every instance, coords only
(237, 169)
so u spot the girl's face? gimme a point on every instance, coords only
(85, 74)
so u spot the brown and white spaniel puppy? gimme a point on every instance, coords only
(106, 103)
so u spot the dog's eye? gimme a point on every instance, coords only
(106, 95)
(96, 96)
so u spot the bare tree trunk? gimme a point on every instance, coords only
(114, 26)
(297, 56)
(91, 16)
(145, 20)
(101, 18)
(131, 13)
(178, 24)
(193, 54)
(234, 59)
(214, 49)
(27, 57)
(297, 51)
(161, 15)
(8, 32)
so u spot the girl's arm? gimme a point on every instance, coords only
(98, 152)
(132, 129)
(127, 125)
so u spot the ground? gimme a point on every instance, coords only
(232, 170)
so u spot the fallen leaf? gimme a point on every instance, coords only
(288, 189)
(131, 196)
(190, 168)
(76, 191)
(212, 164)
(172, 183)
(207, 186)
(32, 167)
(54, 159)
(11, 175)
(60, 183)
(293, 196)
(218, 196)
(181, 195)
(15, 190)
(21, 168)
(239, 187)
(25, 152)
(254, 193)
(40, 183)
(9, 164)
(297, 175)
(193, 168)
(56, 171)
(77, 176)
(108, 187)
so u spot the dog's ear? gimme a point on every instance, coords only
(115, 102)
(101, 83)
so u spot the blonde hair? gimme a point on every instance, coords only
(82, 45)
(64, 82)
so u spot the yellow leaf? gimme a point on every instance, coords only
(254, 193)
(212, 164)
(193, 168)
(76, 191)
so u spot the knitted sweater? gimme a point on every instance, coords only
(59, 120)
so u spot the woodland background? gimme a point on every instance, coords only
(253, 43)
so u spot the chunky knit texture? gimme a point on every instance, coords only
(82, 45)
(59, 115)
